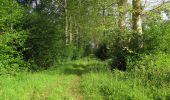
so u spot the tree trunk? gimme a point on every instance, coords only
(137, 16)
(104, 19)
(66, 24)
(122, 13)
(122, 6)
(137, 23)
(70, 30)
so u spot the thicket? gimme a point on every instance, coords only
(32, 39)
(156, 39)
(12, 38)
(148, 79)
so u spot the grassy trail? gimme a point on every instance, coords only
(85, 80)
(70, 89)
(75, 89)
(61, 82)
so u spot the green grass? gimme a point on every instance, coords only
(97, 82)
(149, 82)
(34, 86)
(50, 84)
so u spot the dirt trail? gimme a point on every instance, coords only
(75, 90)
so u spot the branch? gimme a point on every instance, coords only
(60, 3)
(160, 5)
(110, 5)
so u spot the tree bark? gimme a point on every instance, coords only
(66, 24)
(104, 19)
(122, 6)
(70, 29)
(137, 16)
(137, 23)
(122, 13)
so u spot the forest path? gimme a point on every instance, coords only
(70, 90)
(60, 82)
(66, 85)
(74, 89)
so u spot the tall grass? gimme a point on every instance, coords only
(49, 84)
(149, 79)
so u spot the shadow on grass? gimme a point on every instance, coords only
(79, 69)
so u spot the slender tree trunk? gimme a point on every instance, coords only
(36, 3)
(70, 30)
(137, 23)
(122, 6)
(66, 24)
(104, 19)
(76, 32)
(137, 16)
(122, 13)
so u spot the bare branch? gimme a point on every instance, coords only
(163, 2)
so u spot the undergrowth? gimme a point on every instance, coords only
(148, 79)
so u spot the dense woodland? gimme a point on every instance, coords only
(85, 49)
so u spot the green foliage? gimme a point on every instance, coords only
(43, 41)
(153, 68)
(11, 14)
(102, 52)
(149, 80)
(72, 52)
(12, 46)
(121, 49)
(11, 38)
(157, 37)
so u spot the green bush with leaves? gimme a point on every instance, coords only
(153, 67)
(11, 38)
(45, 40)
(157, 37)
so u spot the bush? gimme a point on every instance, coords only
(153, 71)
(71, 52)
(155, 68)
(149, 79)
(102, 52)
(11, 49)
(157, 37)
(11, 38)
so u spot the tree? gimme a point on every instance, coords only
(122, 13)
(137, 16)
(66, 22)
(137, 13)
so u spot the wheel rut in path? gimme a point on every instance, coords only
(74, 88)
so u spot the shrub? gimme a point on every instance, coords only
(102, 52)
(11, 38)
(157, 37)
(11, 48)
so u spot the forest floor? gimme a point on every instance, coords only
(85, 79)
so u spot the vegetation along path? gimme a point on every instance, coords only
(85, 79)
(61, 82)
